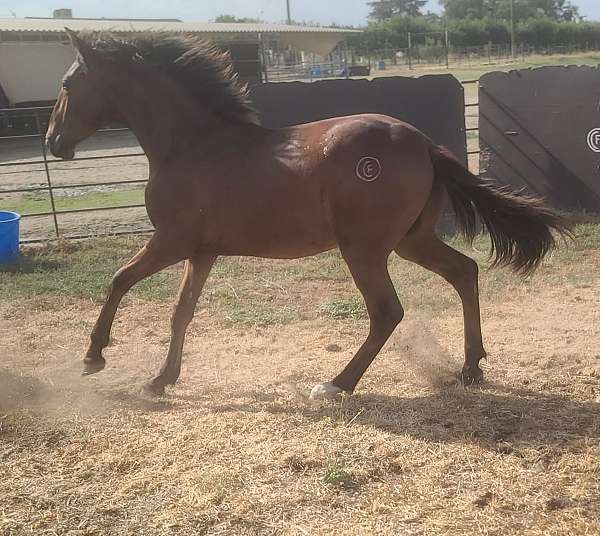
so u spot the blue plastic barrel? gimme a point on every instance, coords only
(9, 237)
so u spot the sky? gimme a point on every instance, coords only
(352, 12)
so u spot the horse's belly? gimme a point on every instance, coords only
(282, 238)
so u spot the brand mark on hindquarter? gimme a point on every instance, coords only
(368, 168)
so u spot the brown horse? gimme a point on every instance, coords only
(220, 184)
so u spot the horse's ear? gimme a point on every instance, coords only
(83, 49)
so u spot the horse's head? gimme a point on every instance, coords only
(82, 102)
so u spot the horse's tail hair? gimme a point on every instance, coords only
(519, 225)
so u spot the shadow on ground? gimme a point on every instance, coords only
(493, 416)
(496, 417)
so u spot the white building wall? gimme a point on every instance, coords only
(31, 71)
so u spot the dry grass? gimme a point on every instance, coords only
(237, 448)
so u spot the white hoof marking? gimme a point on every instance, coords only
(325, 391)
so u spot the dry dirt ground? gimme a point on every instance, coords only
(237, 448)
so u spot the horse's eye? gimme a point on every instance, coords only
(65, 85)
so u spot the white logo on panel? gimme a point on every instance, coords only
(593, 140)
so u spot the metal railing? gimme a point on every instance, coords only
(24, 120)
(310, 71)
(432, 55)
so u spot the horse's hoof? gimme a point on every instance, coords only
(471, 376)
(91, 366)
(325, 391)
(154, 389)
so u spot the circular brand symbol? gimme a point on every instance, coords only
(368, 168)
(593, 140)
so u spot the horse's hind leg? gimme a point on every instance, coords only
(196, 273)
(461, 272)
(152, 258)
(371, 276)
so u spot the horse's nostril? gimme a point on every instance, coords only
(53, 143)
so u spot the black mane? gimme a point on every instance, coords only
(204, 71)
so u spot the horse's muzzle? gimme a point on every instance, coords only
(58, 148)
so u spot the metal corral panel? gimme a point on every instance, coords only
(434, 104)
(540, 129)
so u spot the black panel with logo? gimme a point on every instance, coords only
(540, 129)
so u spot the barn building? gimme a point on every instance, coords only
(34, 55)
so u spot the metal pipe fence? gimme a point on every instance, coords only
(309, 71)
(35, 118)
(438, 54)
(51, 188)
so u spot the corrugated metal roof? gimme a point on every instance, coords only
(58, 25)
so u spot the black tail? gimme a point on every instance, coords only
(520, 226)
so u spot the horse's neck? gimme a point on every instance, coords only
(161, 116)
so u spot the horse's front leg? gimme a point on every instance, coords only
(155, 256)
(194, 277)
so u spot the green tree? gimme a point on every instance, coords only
(558, 10)
(465, 9)
(386, 9)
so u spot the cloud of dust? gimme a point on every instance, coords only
(64, 392)
(18, 390)
(418, 349)
(56, 393)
